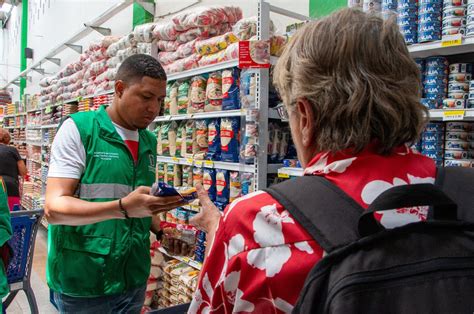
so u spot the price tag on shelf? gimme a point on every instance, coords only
(209, 164)
(282, 173)
(175, 159)
(189, 161)
(198, 163)
(454, 115)
(451, 40)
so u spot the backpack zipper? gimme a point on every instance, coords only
(420, 268)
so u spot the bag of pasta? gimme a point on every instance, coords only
(214, 92)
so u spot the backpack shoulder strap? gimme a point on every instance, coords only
(327, 213)
(458, 184)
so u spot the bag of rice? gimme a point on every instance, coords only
(187, 180)
(230, 89)
(222, 186)
(177, 175)
(214, 92)
(181, 140)
(201, 139)
(167, 101)
(169, 174)
(247, 182)
(198, 94)
(159, 148)
(197, 176)
(230, 136)
(164, 147)
(235, 189)
(183, 98)
(172, 133)
(209, 182)
(191, 143)
(173, 99)
(214, 140)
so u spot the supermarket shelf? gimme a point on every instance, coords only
(273, 168)
(50, 126)
(71, 100)
(435, 48)
(207, 164)
(13, 127)
(14, 115)
(33, 127)
(35, 161)
(19, 142)
(205, 69)
(443, 115)
(288, 172)
(34, 143)
(107, 92)
(202, 115)
(34, 110)
(187, 260)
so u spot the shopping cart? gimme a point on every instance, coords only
(24, 226)
(178, 309)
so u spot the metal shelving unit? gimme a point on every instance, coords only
(440, 48)
(202, 115)
(452, 115)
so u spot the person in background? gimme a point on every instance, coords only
(5, 235)
(97, 197)
(352, 95)
(11, 168)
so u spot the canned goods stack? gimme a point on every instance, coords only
(454, 17)
(429, 20)
(408, 20)
(372, 6)
(459, 144)
(470, 101)
(354, 4)
(432, 142)
(389, 7)
(458, 89)
(470, 18)
(435, 83)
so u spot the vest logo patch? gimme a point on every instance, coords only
(106, 155)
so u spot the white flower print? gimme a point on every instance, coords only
(240, 199)
(304, 247)
(268, 226)
(236, 245)
(242, 305)
(234, 295)
(270, 259)
(206, 284)
(196, 303)
(283, 305)
(338, 166)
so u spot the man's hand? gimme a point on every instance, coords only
(208, 218)
(140, 203)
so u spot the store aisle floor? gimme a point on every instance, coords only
(38, 281)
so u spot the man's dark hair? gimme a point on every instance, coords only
(137, 66)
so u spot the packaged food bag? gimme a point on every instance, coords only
(213, 139)
(183, 97)
(230, 137)
(235, 189)
(160, 173)
(247, 182)
(230, 89)
(191, 143)
(209, 182)
(197, 176)
(248, 87)
(198, 94)
(172, 134)
(187, 180)
(181, 139)
(214, 92)
(222, 186)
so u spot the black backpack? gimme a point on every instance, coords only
(423, 267)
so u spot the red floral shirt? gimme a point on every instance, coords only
(260, 255)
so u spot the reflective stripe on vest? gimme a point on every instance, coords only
(104, 190)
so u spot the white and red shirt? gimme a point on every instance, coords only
(260, 256)
(68, 156)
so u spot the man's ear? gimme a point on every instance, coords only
(119, 88)
(306, 121)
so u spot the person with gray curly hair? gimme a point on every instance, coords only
(11, 168)
(352, 97)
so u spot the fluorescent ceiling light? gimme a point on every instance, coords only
(6, 7)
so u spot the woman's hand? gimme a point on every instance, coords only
(208, 218)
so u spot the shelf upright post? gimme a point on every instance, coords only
(263, 81)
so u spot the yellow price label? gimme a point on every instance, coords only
(198, 163)
(175, 159)
(189, 161)
(209, 164)
(283, 174)
(451, 40)
(454, 115)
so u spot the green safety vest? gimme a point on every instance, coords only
(113, 256)
(5, 235)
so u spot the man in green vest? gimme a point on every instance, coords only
(98, 205)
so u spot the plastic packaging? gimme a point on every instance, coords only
(201, 139)
(248, 86)
(230, 89)
(209, 182)
(214, 141)
(230, 136)
(222, 186)
(165, 31)
(214, 92)
(207, 16)
(183, 97)
(163, 189)
(167, 45)
(144, 32)
(235, 188)
(215, 44)
(198, 94)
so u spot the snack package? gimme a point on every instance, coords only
(247, 180)
(209, 182)
(230, 89)
(172, 134)
(215, 44)
(248, 152)
(197, 176)
(235, 189)
(183, 97)
(181, 140)
(169, 174)
(163, 189)
(198, 94)
(214, 92)
(201, 139)
(248, 86)
(187, 180)
(230, 137)
(183, 233)
(191, 143)
(214, 140)
(160, 173)
(222, 186)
